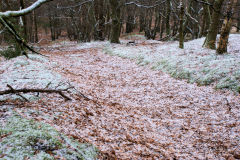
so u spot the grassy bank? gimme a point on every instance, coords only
(194, 63)
(22, 138)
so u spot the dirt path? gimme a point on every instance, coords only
(144, 114)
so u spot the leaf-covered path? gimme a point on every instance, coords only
(141, 113)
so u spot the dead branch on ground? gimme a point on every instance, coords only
(27, 90)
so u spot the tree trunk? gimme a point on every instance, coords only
(116, 24)
(226, 28)
(238, 17)
(141, 21)
(35, 27)
(24, 20)
(181, 36)
(168, 13)
(98, 5)
(206, 20)
(162, 27)
(130, 24)
(210, 41)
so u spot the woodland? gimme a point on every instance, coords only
(120, 79)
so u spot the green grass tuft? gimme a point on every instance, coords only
(23, 138)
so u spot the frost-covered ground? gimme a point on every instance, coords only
(133, 111)
(194, 63)
(35, 72)
(22, 138)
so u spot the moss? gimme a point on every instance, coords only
(29, 139)
(10, 53)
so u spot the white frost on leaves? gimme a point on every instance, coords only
(35, 72)
(195, 63)
(142, 113)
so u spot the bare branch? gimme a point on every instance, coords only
(23, 11)
(78, 5)
(26, 90)
(144, 6)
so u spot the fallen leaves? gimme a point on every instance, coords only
(133, 112)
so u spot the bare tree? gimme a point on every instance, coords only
(181, 36)
(116, 22)
(210, 41)
(226, 27)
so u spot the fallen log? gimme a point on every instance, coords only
(27, 90)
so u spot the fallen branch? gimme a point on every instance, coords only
(26, 90)
(14, 91)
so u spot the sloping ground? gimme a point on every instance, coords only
(21, 138)
(144, 113)
(134, 112)
(34, 72)
(194, 63)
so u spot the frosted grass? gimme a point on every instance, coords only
(194, 63)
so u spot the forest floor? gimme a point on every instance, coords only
(133, 110)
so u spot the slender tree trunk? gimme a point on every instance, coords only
(238, 17)
(210, 41)
(185, 24)
(168, 13)
(181, 35)
(130, 24)
(108, 26)
(238, 25)
(30, 28)
(99, 6)
(35, 27)
(24, 20)
(141, 21)
(206, 20)
(175, 26)
(116, 24)
(162, 28)
(226, 28)
(51, 27)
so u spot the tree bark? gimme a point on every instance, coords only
(181, 34)
(206, 20)
(238, 17)
(210, 41)
(24, 20)
(162, 27)
(116, 24)
(226, 28)
(99, 6)
(35, 27)
(168, 13)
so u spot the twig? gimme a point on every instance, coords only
(228, 104)
(14, 91)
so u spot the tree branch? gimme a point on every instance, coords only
(27, 90)
(24, 11)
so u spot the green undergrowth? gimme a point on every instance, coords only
(10, 52)
(26, 139)
(204, 68)
(211, 69)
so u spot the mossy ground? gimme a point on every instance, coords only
(22, 138)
